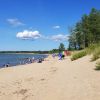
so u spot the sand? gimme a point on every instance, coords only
(51, 80)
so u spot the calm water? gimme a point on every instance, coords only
(16, 59)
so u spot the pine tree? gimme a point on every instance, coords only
(86, 31)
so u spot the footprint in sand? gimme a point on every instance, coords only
(29, 79)
(17, 82)
(42, 79)
(53, 69)
(0, 93)
(25, 97)
(22, 91)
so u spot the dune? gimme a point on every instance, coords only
(51, 80)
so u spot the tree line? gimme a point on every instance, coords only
(22, 52)
(86, 31)
(59, 49)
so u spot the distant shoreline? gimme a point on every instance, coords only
(24, 52)
(17, 53)
(27, 53)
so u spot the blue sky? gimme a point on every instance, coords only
(39, 24)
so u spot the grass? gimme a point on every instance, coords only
(93, 49)
(97, 66)
(90, 49)
(96, 54)
(78, 55)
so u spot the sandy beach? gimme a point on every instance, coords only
(51, 80)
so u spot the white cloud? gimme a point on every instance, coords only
(56, 27)
(15, 22)
(59, 37)
(32, 35)
(26, 34)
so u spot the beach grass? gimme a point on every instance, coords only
(97, 66)
(78, 55)
(96, 54)
(93, 50)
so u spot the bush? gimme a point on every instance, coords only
(78, 55)
(97, 66)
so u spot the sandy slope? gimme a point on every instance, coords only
(51, 80)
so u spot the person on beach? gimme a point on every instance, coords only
(60, 56)
(33, 59)
(53, 55)
(39, 60)
(7, 65)
(63, 55)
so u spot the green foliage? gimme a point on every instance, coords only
(72, 40)
(54, 51)
(78, 55)
(61, 47)
(96, 54)
(97, 66)
(86, 31)
(92, 48)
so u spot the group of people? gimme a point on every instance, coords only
(32, 60)
(60, 55)
(27, 61)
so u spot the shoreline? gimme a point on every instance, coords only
(23, 61)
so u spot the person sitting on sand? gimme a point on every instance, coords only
(7, 65)
(39, 60)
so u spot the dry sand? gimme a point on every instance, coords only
(51, 80)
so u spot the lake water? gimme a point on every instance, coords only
(16, 59)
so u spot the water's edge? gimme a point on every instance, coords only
(18, 59)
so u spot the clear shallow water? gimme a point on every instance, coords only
(16, 59)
